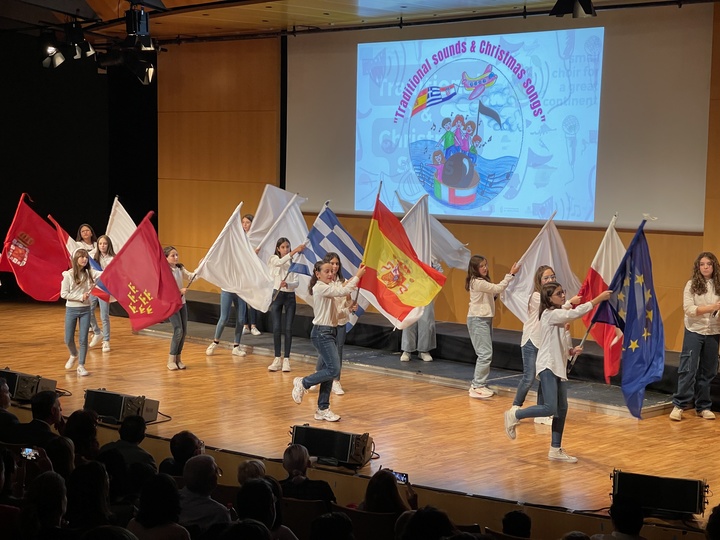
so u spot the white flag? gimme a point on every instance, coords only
(232, 265)
(445, 247)
(546, 249)
(120, 225)
(272, 203)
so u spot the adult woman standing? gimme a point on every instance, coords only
(699, 357)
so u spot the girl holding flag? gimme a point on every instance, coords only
(180, 318)
(103, 255)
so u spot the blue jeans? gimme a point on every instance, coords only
(421, 335)
(179, 324)
(104, 317)
(529, 355)
(250, 316)
(323, 339)
(555, 405)
(75, 316)
(698, 367)
(480, 329)
(340, 336)
(286, 300)
(227, 300)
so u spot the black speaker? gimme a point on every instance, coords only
(113, 408)
(662, 496)
(347, 449)
(23, 386)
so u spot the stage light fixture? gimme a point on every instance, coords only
(137, 26)
(52, 57)
(577, 8)
(76, 38)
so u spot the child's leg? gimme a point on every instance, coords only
(529, 355)
(290, 306)
(558, 425)
(480, 329)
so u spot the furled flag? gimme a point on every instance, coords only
(232, 265)
(433, 95)
(326, 235)
(603, 268)
(120, 225)
(139, 277)
(400, 283)
(445, 247)
(546, 249)
(633, 308)
(32, 252)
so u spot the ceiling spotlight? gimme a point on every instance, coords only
(577, 8)
(52, 57)
(76, 39)
(137, 26)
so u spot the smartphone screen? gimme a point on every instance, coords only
(402, 478)
(29, 453)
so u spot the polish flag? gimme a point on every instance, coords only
(601, 272)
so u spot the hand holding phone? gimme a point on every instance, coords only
(29, 453)
(402, 478)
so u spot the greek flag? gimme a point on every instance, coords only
(328, 235)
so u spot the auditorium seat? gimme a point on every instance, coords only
(299, 514)
(502, 536)
(369, 525)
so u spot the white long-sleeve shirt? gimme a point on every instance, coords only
(325, 308)
(705, 325)
(531, 328)
(179, 274)
(279, 269)
(555, 341)
(73, 292)
(482, 296)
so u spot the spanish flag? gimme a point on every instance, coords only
(395, 279)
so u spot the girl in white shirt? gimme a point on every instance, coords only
(75, 289)
(284, 286)
(324, 289)
(179, 319)
(103, 255)
(551, 365)
(87, 239)
(345, 306)
(479, 319)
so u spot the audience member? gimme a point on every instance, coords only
(516, 523)
(247, 529)
(132, 433)
(428, 523)
(44, 506)
(247, 470)
(87, 497)
(256, 500)
(46, 413)
(61, 453)
(183, 446)
(81, 429)
(9, 515)
(383, 495)
(626, 515)
(401, 523)
(109, 532)
(297, 485)
(7, 419)
(199, 512)
(10, 493)
(332, 526)
(712, 528)
(158, 511)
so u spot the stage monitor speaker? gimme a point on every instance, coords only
(112, 408)
(662, 496)
(23, 386)
(347, 449)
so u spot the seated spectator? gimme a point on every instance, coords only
(7, 419)
(87, 497)
(183, 446)
(712, 528)
(11, 491)
(297, 485)
(247, 529)
(109, 532)
(198, 512)
(46, 414)
(627, 518)
(132, 433)
(256, 500)
(61, 453)
(81, 429)
(382, 495)
(44, 506)
(516, 523)
(247, 470)
(401, 523)
(332, 526)
(158, 511)
(428, 523)
(9, 515)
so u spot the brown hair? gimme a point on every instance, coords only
(473, 273)
(546, 296)
(699, 285)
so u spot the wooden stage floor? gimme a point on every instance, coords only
(437, 434)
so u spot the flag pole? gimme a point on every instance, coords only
(582, 342)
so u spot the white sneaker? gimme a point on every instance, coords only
(337, 388)
(425, 357)
(237, 351)
(245, 330)
(96, 340)
(298, 390)
(106, 346)
(510, 422)
(211, 349)
(276, 364)
(544, 420)
(255, 332)
(326, 414)
(676, 414)
(482, 392)
(82, 371)
(405, 357)
(71, 361)
(707, 414)
(172, 363)
(558, 454)
(180, 364)
(286, 365)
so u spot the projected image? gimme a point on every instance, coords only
(502, 126)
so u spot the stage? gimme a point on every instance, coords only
(420, 417)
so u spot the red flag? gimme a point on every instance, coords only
(33, 253)
(140, 278)
(601, 272)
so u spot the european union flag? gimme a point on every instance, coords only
(634, 309)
